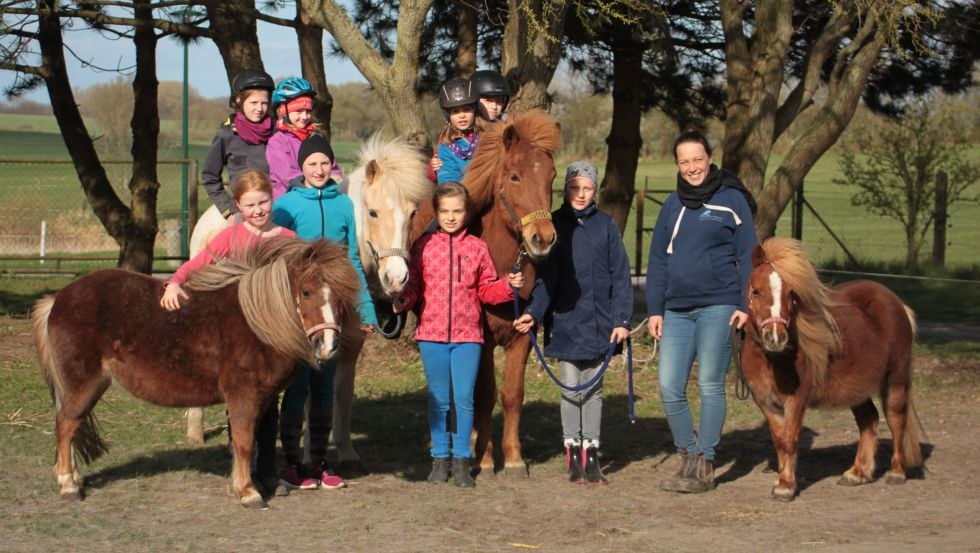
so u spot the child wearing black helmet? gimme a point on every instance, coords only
(240, 142)
(494, 93)
(458, 140)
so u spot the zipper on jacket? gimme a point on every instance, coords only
(449, 319)
(323, 222)
(459, 268)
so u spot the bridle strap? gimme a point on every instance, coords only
(323, 326)
(774, 320)
(382, 253)
(522, 221)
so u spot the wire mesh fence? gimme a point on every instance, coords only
(47, 224)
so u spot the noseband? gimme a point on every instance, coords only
(382, 253)
(323, 326)
(774, 320)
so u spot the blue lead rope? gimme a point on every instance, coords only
(602, 370)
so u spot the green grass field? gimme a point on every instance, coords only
(50, 192)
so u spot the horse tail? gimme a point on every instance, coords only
(912, 320)
(39, 316)
(910, 441)
(87, 442)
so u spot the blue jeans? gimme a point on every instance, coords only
(701, 331)
(319, 384)
(450, 375)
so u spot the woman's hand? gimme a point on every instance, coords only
(516, 280)
(524, 323)
(738, 319)
(171, 297)
(655, 325)
(619, 334)
(367, 329)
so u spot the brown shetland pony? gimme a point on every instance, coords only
(810, 345)
(509, 181)
(236, 340)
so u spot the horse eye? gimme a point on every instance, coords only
(755, 291)
(307, 293)
(412, 215)
(373, 213)
(514, 178)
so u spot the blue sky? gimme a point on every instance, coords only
(207, 74)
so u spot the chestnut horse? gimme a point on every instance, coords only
(810, 345)
(385, 188)
(509, 181)
(235, 340)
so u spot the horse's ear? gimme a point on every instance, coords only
(758, 256)
(371, 171)
(510, 137)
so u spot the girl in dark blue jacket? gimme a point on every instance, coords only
(584, 295)
(699, 264)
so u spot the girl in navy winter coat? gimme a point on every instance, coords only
(584, 296)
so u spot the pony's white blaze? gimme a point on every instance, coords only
(776, 287)
(331, 337)
(393, 269)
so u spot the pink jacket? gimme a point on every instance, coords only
(236, 237)
(452, 274)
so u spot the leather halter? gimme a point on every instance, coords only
(382, 253)
(323, 326)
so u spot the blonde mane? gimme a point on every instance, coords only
(817, 333)
(264, 291)
(402, 168)
(535, 125)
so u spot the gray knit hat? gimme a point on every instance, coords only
(582, 169)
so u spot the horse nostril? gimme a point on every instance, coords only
(404, 279)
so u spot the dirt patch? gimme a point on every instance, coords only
(154, 494)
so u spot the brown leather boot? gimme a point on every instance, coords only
(673, 482)
(702, 478)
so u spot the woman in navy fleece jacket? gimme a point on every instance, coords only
(699, 264)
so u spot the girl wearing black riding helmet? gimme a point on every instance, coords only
(458, 140)
(240, 142)
(494, 93)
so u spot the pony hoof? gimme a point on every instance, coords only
(515, 471)
(894, 479)
(848, 479)
(194, 441)
(783, 494)
(253, 501)
(72, 495)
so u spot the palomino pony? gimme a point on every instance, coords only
(236, 340)
(811, 345)
(385, 188)
(509, 181)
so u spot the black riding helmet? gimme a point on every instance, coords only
(487, 82)
(456, 92)
(252, 78)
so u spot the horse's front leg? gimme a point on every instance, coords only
(242, 416)
(786, 442)
(484, 398)
(866, 416)
(343, 393)
(512, 400)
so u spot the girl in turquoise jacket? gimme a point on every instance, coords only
(313, 208)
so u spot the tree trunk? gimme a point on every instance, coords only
(310, 40)
(624, 140)
(106, 205)
(235, 34)
(466, 39)
(136, 251)
(394, 82)
(755, 70)
(529, 58)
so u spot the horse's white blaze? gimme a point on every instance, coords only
(776, 287)
(393, 269)
(330, 337)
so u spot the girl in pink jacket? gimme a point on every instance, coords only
(451, 274)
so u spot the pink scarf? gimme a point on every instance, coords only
(253, 133)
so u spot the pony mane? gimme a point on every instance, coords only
(264, 292)
(817, 333)
(535, 125)
(402, 168)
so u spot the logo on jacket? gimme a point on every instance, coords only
(708, 215)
